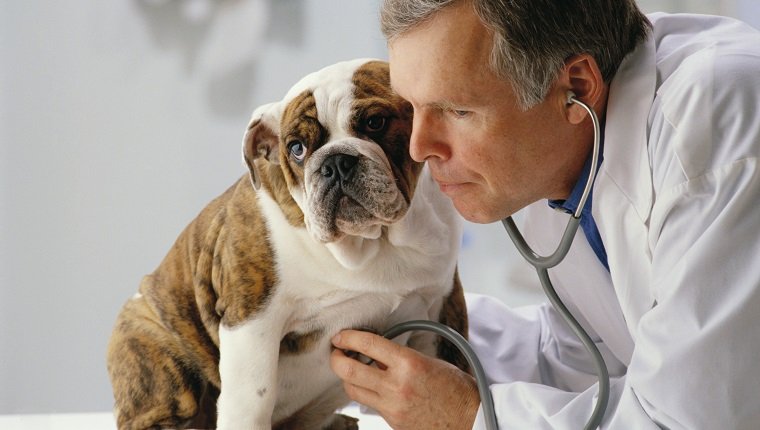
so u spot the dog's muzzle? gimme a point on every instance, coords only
(350, 189)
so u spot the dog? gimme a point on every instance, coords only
(334, 226)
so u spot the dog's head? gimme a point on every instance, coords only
(334, 153)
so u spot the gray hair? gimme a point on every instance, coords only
(532, 39)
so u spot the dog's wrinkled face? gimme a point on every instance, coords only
(341, 140)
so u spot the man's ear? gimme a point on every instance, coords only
(582, 76)
(261, 139)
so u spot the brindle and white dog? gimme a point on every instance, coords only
(337, 227)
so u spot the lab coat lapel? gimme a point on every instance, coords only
(623, 192)
(583, 284)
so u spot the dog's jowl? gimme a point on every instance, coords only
(334, 226)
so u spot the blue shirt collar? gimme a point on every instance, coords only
(587, 223)
(570, 205)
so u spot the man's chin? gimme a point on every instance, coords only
(478, 213)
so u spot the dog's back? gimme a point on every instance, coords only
(164, 351)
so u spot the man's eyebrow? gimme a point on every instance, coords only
(439, 105)
(443, 105)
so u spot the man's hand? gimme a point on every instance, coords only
(408, 389)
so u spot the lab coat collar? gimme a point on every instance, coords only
(630, 99)
(623, 193)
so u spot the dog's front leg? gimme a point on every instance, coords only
(248, 356)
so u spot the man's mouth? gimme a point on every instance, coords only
(448, 187)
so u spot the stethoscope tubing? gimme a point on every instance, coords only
(542, 264)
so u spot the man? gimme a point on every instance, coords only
(664, 273)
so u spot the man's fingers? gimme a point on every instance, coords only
(362, 383)
(373, 346)
(354, 372)
(362, 395)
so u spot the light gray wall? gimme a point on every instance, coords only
(119, 121)
(747, 10)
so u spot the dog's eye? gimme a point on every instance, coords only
(297, 149)
(375, 123)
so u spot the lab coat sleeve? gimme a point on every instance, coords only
(539, 373)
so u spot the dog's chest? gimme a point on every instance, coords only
(304, 372)
(315, 296)
(309, 323)
(308, 269)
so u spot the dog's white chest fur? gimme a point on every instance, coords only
(409, 271)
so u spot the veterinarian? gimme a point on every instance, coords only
(663, 273)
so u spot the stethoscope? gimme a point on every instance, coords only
(542, 264)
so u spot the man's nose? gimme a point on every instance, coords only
(427, 138)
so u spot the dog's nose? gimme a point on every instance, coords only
(339, 167)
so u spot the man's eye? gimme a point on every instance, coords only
(461, 113)
(297, 149)
(375, 123)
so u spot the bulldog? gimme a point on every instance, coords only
(334, 226)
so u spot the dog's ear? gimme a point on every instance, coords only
(261, 139)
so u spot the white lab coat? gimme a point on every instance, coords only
(677, 204)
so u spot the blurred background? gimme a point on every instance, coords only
(119, 121)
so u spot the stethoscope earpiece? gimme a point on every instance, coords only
(570, 97)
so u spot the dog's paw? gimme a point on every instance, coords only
(343, 422)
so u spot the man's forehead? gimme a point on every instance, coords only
(440, 63)
(428, 87)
